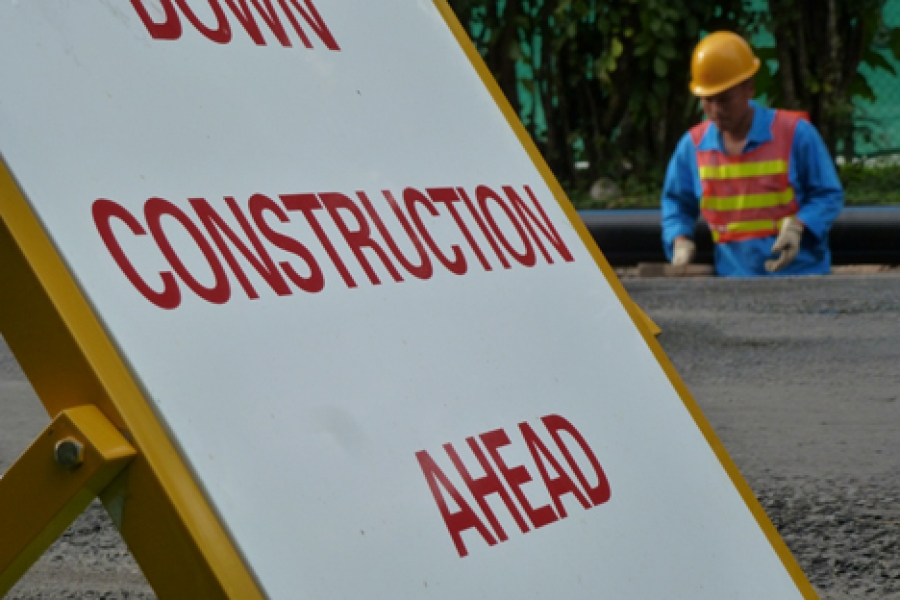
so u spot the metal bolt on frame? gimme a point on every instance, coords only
(69, 453)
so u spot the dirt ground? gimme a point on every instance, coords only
(799, 377)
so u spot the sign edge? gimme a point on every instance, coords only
(778, 545)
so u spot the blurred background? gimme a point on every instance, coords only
(601, 85)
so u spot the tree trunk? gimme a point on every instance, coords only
(783, 45)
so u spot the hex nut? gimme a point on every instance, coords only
(69, 453)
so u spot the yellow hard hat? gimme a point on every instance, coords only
(721, 60)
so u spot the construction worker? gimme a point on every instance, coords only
(762, 178)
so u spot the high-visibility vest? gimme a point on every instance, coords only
(748, 196)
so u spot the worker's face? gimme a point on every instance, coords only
(731, 108)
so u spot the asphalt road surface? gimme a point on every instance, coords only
(799, 377)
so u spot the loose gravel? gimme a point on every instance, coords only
(845, 534)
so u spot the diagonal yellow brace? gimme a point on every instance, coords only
(53, 482)
(650, 323)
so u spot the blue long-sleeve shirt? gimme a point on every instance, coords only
(811, 173)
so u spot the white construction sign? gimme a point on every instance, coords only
(358, 308)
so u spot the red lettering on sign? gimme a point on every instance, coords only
(557, 486)
(599, 493)
(447, 197)
(222, 32)
(170, 28)
(543, 224)
(485, 486)
(250, 239)
(358, 238)
(483, 194)
(103, 211)
(259, 204)
(484, 229)
(412, 197)
(261, 261)
(312, 17)
(154, 210)
(516, 477)
(456, 522)
(423, 270)
(268, 14)
(307, 204)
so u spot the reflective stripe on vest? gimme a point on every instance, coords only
(745, 230)
(748, 196)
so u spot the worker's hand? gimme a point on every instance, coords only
(788, 243)
(683, 251)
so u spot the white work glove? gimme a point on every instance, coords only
(788, 243)
(683, 251)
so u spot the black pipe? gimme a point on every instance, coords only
(860, 235)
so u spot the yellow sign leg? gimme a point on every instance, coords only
(53, 482)
(651, 325)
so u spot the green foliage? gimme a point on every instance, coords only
(814, 63)
(866, 185)
(609, 78)
(635, 194)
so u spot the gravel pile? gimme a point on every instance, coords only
(845, 535)
(88, 562)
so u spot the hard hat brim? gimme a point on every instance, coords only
(704, 91)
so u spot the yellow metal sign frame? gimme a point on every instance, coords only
(174, 535)
(180, 543)
(47, 495)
